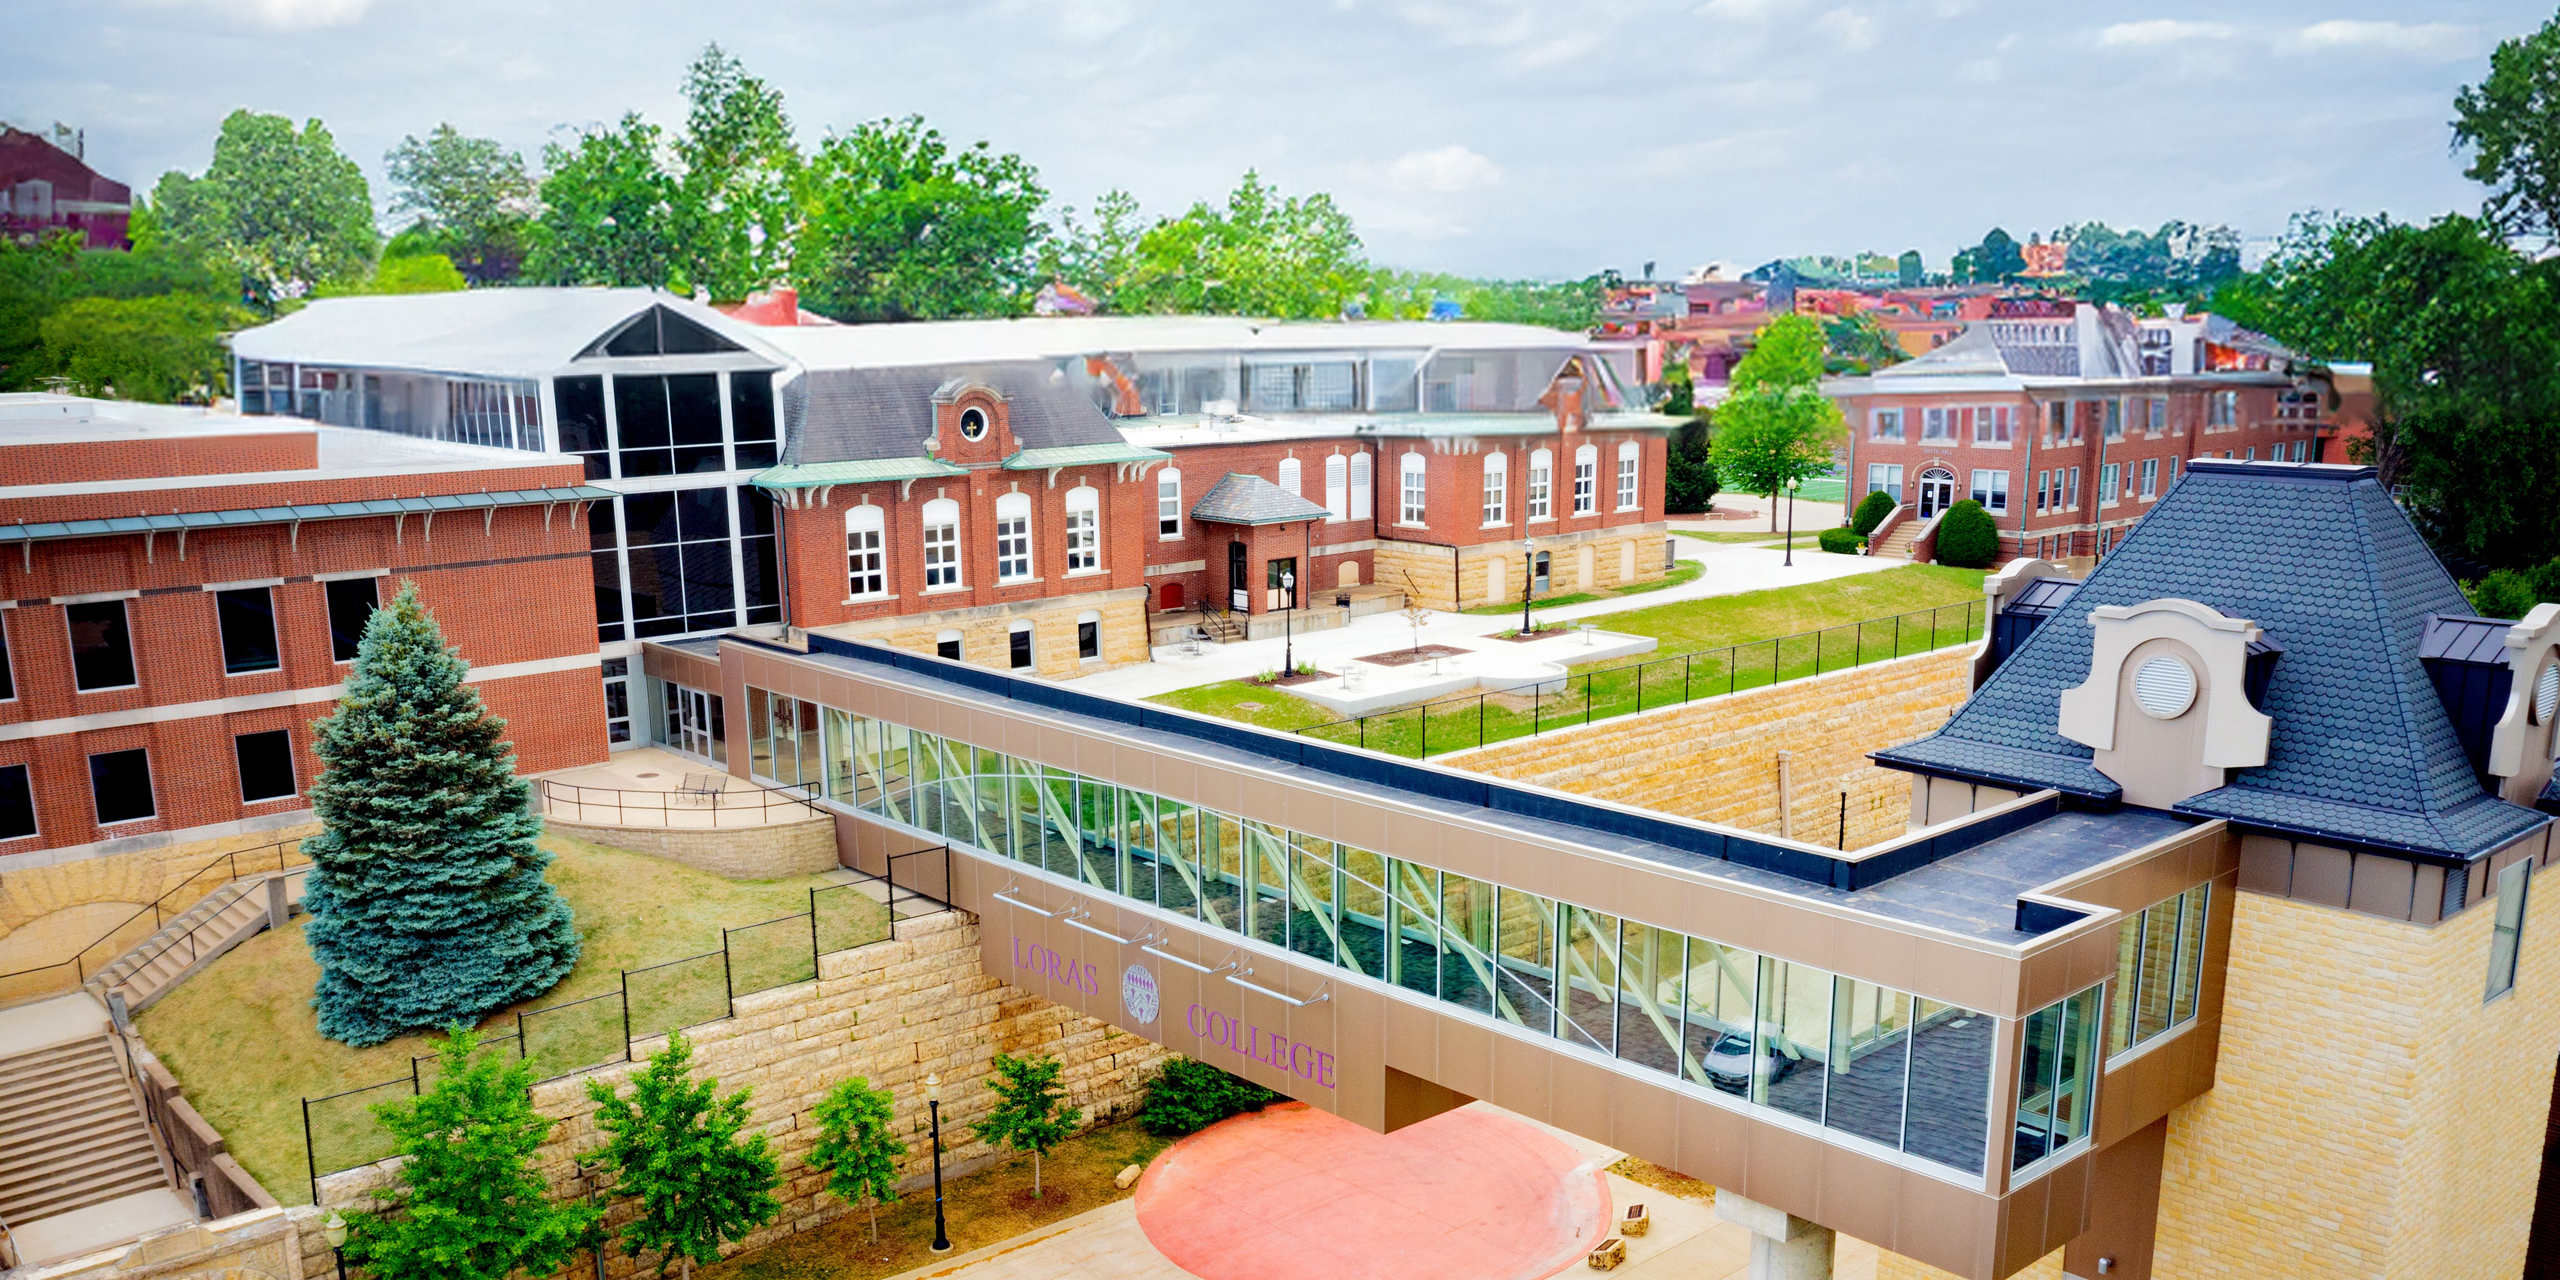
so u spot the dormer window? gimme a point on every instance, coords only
(973, 424)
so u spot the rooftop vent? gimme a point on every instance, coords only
(2041, 600)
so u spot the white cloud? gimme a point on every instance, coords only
(1852, 29)
(1448, 169)
(2440, 40)
(1742, 10)
(1089, 21)
(523, 66)
(284, 15)
(1980, 71)
(2158, 31)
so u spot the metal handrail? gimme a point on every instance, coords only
(760, 801)
(142, 961)
(158, 911)
(1686, 662)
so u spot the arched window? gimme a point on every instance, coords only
(1337, 487)
(1542, 485)
(941, 544)
(1586, 479)
(1013, 537)
(1018, 643)
(866, 562)
(1497, 489)
(1089, 635)
(1627, 453)
(1084, 529)
(1416, 489)
(1169, 503)
(1362, 508)
(1291, 481)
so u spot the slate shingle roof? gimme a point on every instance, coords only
(2361, 748)
(1238, 498)
(845, 415)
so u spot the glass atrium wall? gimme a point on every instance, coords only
(2159, 965)
(1868, 1062)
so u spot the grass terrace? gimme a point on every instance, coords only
(242, 1038)
(1732, 642)
(1680, 574)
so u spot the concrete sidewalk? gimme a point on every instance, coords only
(1726, 570)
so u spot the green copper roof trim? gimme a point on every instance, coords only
(177, 521)
(1082, 455)
(860, 471)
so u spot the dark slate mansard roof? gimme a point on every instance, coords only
(2361, 751)
(1251, 500)
(849, 415)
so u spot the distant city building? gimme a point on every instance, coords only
(44, 188)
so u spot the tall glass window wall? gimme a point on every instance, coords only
(2057, 1075)
(1865, 1061)
(695, 559)
(2159, 963)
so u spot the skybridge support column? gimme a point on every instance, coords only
(1783, 1246)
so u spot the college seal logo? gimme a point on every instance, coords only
(1138, 994)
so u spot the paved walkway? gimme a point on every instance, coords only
(1726, 570)
(1687, 1242)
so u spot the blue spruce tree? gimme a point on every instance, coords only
(427, 901)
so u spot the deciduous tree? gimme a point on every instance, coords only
(856, 1148)
(2511, 122)
(1030, 1112)
(472, 198)
(608, 210)
(279, 207)
(899, 225)
(680, 1149)
(734, 202)
(1776, 425)
(162, 349)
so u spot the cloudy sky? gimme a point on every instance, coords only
(1512, 137)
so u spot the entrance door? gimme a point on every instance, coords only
(1538, 584)
(696, 722)
(1937, 492)
(1279, 584)
(1239, 583)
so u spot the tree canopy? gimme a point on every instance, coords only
(1262, 253)
(681, 1151)
(2511, 122)
(1776, 425)
(900, 225)
(738, 160)
(279, 207)
(471, 196)
(608, 210)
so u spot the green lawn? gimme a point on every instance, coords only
(1728, 535)
(1713, 646)
(241, 1036)
(1680, 574)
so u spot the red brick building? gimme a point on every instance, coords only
(2068, 421)
(45, 188)
(180, 594)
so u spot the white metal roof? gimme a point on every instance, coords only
(1059, 337)
(518, 333)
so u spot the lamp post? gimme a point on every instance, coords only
(335, 1232)
(1528, 578)
(1792, 484)
(933, 1104)
(1288, 624)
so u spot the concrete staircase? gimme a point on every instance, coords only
(73, 1133)
(1221, 626)
(223, 919)
(1897, 544)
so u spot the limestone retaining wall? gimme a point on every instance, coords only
(262, 1244)
(48, 913)
(1445, 578)
(890, 1012)
(768, 852)
(1716, 759)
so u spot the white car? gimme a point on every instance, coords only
(1730, 1062)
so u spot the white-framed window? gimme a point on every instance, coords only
(2110, 477)
(1363, 503)
(1627, 491)
(2223, 410)
(941, 544)
(1089, 635)
(1586, 479)
(1018, 645)
(1497, 488)
(1991, 489)
(1337, 488)
(1416, 489)
(2115, 419)
(1884, 424)
(1991, 424)
(1084, 529)
(2150, 477)
(865, 556)
(1292, 478)
(2044, 491)
(1936, 426)
(1542, 485)
(1013, 537)
(1169, 503)
(1885, 478)
(2159, 415)
(2071, 491)
(2506, 931)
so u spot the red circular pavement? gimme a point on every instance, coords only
(1293, 1193)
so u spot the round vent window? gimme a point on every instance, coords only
(2165, 688)
(2546, 694)
(973, 423)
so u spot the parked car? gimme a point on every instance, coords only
(1730, 1062)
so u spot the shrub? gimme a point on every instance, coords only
(1967, 538)
(1188, 1095)
(1871, 512)
(2503, 594)
(1844, 542)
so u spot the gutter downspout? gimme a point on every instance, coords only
(2027, 508)
(2097, 476)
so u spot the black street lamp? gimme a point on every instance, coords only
(335, 1232)
(933, 1104)
(1792, 484)
(1288, 624)
(1528, 578)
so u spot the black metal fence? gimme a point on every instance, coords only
(1573, 699)
(340, 1131)
(134, 930)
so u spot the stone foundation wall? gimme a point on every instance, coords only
(2371, 1115)
(262, 1244)
(890, 1012)
(1716, 759)
(986, 632)
(48, 913)
(768, 852)
(1448, 579)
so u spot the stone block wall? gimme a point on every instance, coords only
(261, 1244)
(2371, 1115)
(891, 1012)
(986, 632)
(1716, 759)
(768, 852)
(49, 912)
(1450, 578)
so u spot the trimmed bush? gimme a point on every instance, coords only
(1871, 512)
(1967, 538)
(1844, 542)
(2505, 593)
(1188, 1095)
